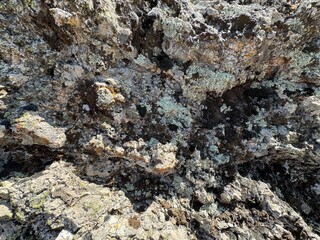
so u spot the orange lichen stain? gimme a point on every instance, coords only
(74, 21)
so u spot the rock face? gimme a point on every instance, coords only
(159, 119)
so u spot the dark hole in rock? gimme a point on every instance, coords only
(88, 94)
(142, 110)
(200, 29)
(177, 95)
(126, 61)
(148, 22)
(197, 141)
(73, 135)
(200, 231)
(214, 190)
(129, 127)
(186, 65)
(289, 92)
(50, 71)
(149, 187)
(282, 26)
(308, 91)
(246, 134)
(218, 23)
(118, 8)
(311, 47)
(173, 127)
(253, 203)
(170, 213)
(29, 107)
(243, 22)
(19, 161)
(153, 3)
(277, 119)
(196, 204)
(229, 171)
(195, 224)
(164, 62)
(260, 93)
(5, 123)
(10, 167)
(59, 115)
(231, 133)
(153, 130)
(237, 114)
(29, 233)
(245, 2)
(212, 115)
(192, 148)
(145, 38)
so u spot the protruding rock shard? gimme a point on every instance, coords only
(165, 157)
(33, 129)
(106, 95)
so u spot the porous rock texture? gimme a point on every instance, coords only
(159, 119)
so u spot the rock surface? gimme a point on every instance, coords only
(32, 130)
(168, 119)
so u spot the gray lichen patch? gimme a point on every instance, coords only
(174, 113)
(202, 81)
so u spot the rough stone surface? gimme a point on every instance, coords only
(33, 129)
(159, 119)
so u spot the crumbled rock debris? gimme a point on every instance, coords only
(159, 119)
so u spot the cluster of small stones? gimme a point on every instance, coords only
(159, 119)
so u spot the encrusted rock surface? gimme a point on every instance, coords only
(159, 119)
(33, 130)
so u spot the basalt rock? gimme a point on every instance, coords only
(159, 119)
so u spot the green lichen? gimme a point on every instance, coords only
(300, 60)
(19, 215)
(6, 184)
(92, 208)
(39, 201)
(10, 6)
(213, 151)
(181, 186)
(173, 27)
(203, 80)
(174, 112)
(28, 3)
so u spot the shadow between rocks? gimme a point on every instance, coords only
(291, 185)
(26, 160)
(139, 187)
